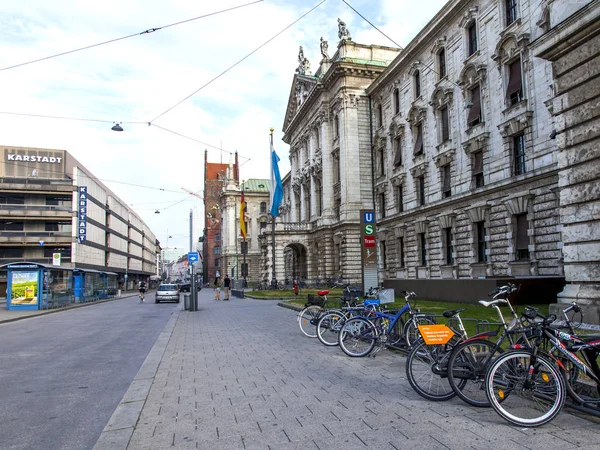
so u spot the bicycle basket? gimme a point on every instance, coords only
(315, 300)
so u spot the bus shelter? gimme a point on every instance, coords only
(32, 286)
(90, 284)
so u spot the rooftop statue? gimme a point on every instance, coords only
(343, 32)
(324, 48)
(303, 63)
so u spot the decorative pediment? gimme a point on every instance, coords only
(302, 86)
(416, 65)
(510, 47)
(438, 44)
(441, 96)
(477, 213)
(396, 130)
(516, 124)
(476, 143)
(519, 203)
(445, 158)
(400, 231)
(469, 16)
(447, 221)
(416, 114)
(472, 74)
(398, 179)
(419, 169)
(381, 187)
(421, 226)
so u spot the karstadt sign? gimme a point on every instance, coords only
(34, 158)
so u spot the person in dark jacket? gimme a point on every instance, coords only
(226, 286)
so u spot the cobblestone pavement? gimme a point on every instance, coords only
(240, 375)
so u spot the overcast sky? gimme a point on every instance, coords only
(140, 78)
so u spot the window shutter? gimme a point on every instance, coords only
(514, 79)
(398, 156)
(475, 110)
(477, 163)
(419, 141)
(522, 226)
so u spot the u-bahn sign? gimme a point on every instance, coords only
(367, 237)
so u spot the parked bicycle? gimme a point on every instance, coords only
(360, 336)
(528, 386)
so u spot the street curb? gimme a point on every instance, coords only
(289, 306)
(43, 312)
(119, 429)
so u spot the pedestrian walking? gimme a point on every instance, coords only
(296, 287)
(226, 286)
(218, 288)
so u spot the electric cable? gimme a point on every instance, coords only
(148, 31)
(240, 61)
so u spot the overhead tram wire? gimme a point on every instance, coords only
(426, 66)
(240, 61)
(148, 31)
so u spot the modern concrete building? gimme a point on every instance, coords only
(54, 211)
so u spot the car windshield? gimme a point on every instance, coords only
(167, 287)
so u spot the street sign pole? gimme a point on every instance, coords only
(193, 258)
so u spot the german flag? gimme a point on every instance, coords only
(243, 216)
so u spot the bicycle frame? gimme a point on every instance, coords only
(589, 367)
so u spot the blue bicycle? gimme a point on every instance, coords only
(359, 336)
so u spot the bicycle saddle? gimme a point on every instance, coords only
(452, 312)
(493, 302)
(322, 293)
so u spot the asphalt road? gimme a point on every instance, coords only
(62, 375)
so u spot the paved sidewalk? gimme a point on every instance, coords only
(239, 375)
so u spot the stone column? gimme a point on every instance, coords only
(573, 47)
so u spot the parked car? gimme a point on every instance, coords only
(168, 292)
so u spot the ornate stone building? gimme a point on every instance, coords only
(256, 196)
(328, 130)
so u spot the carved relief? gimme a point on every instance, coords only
(416, 114)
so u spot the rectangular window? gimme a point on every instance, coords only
(514, 90)
(522, 241)
(263, 207)
(400, 192)
(263, 226)
(244, 247)
(401, 251)
(474, 116)
(421, 190)
(519, 154)
(11, 252)
(478, 169)
(417, 77)
(51, 226)
(217, 237)
(217, 263)
(396, 101)
(418, 150)
(217, 250)
(442, 63)
(511, 11)
(481, 244)
(423, 248)
(398, 154)
(379, 116)
(12, 199)
(381, 205)
(383, 255)
(336, 168)
(381, 158)
(446, 181)
(11, 226)
(472, 33)
(448, 247)
(445, 124)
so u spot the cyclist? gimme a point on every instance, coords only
(142, 289)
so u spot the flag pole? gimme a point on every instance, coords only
(274, 278)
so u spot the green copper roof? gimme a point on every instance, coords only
(364, 61)
(256, 185)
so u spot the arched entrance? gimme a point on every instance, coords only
(295, 263)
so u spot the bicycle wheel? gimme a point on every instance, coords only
(522, 398)
(307, 320)
(411, 332)
(357, 337)
(426, 371)
(580, 387)
(329, 327)
(467, 367)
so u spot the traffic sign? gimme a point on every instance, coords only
(193, 257)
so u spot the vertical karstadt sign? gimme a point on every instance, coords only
(82, 214)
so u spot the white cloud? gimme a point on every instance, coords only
(139, 78)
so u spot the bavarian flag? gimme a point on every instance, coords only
(243, 216)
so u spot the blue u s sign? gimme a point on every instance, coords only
(369, 217)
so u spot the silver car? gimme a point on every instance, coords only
(167, 292)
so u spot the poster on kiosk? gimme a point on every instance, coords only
(24, 289)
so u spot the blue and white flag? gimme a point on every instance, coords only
(276, 186)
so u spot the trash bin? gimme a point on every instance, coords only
(186, 301)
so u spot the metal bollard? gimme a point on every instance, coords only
(186, 301)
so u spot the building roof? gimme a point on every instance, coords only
(255, 185)
(213, 170)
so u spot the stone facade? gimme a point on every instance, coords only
(572, 44)
(327, 127)
(256, 197)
